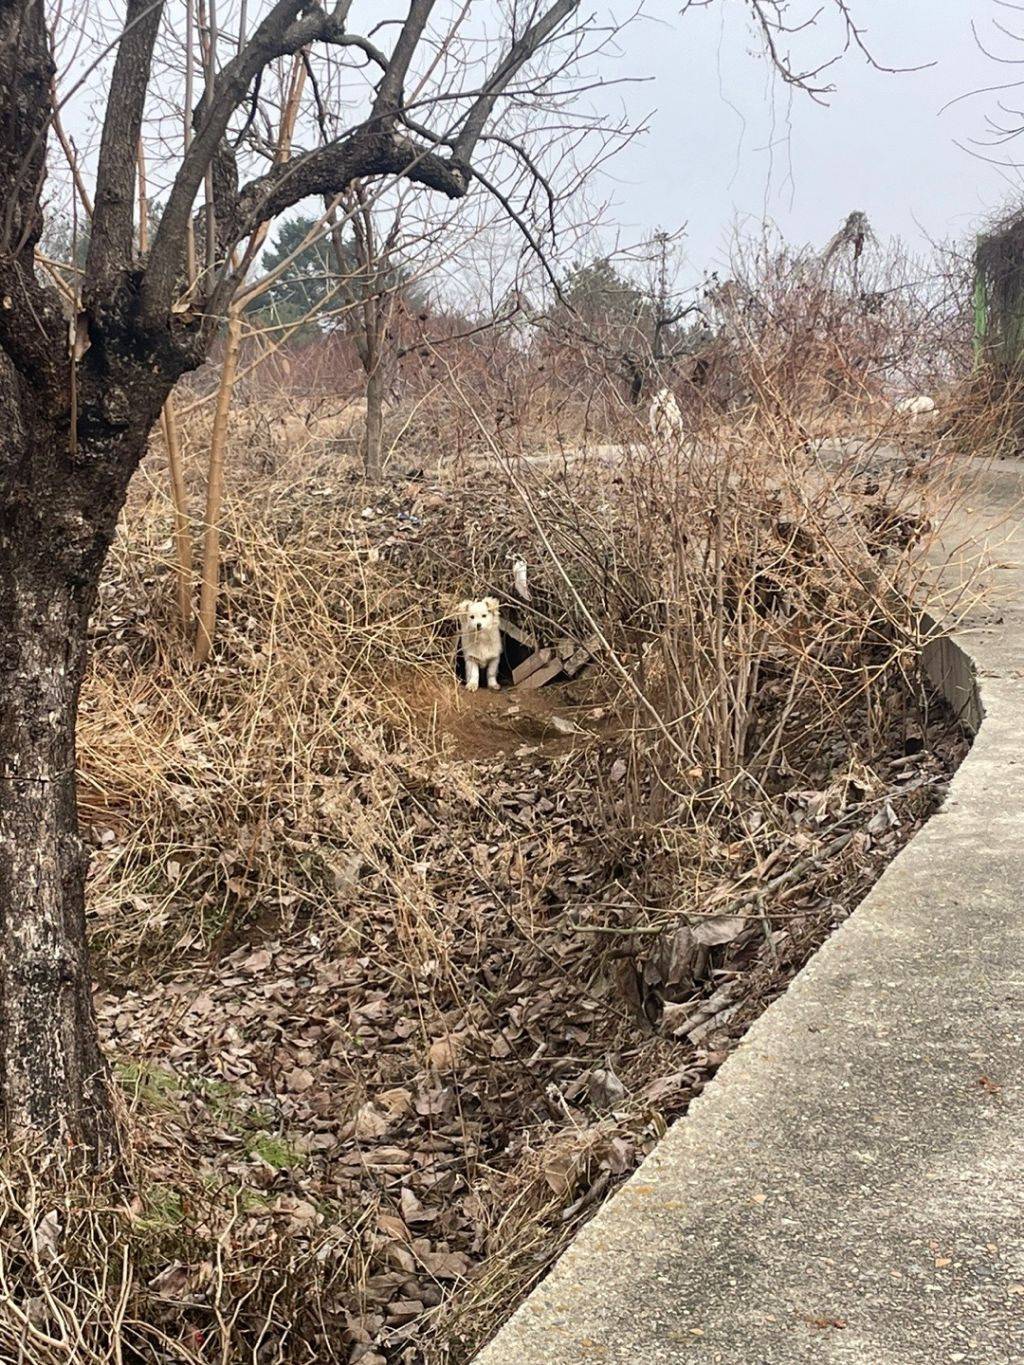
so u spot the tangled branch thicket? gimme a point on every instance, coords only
(398, 983)
(816, 342)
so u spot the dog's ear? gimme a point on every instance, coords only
(463, 608)
(492, 604)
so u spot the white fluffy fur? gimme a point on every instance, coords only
(481, 640)
(916, 406)
(666, 421)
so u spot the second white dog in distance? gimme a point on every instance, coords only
(481, 641)
(664, 417)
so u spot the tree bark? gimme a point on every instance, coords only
(53, 1081)
(373, 462)
(58, 512)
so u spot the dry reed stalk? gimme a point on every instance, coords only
(210, 569)
(172, 444)
(179, 497)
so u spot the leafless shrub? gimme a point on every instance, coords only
(813, 338)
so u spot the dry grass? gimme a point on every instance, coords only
(252, 755)
(399, 983)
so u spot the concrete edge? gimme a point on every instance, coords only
(953, 674)
(590, 1288)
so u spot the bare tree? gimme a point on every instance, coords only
(228, 375)
(77, 414)
(629, 312)
(374, 280)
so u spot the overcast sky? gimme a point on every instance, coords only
(726, 143)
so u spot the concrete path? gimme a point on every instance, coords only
(850, 1187)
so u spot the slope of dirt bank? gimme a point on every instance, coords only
(400, 982)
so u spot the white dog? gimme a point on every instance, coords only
(919, 405)
(481, 641)
(664, 417)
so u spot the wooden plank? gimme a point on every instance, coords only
(530, 665)
(522, 637)
(583, 656)
(542, 676)
(576, 661)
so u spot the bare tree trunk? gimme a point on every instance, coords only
(55, 531)
(54, 1083)
(52, 544)
(373, 271)
(373, 461)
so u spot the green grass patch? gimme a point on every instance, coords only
(275, 1150)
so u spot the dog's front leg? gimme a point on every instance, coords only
(472, 675)
(492, 676)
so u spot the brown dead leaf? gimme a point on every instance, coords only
(398, 1101)
(402, 1310)
(605, 1089)
(443, 1053)
(718, 929)
(172, 1281)
(559, 1168)
(370, 1122)
(412, 1210)
(257, 962)
(617, 1155)
(446, 1265)
(393, 1226)
(300, 1211)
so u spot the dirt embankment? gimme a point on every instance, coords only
(401, 982)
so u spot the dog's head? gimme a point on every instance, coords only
(480, 615)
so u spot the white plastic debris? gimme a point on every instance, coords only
(519, 578)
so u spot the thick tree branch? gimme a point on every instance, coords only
(391, 88)
(26, 80)
(111, 239)
(518, 55)
(280, 34)
(331, 169)
(33, 330)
